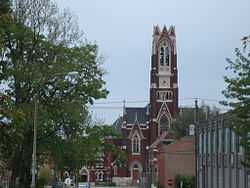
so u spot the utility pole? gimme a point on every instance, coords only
(33, 168)
(196, 120)
(33, 182)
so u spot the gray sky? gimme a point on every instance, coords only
(207, 31)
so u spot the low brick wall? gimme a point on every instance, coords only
(115, 187)
(122, 181)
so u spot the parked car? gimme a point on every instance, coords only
(83, 185)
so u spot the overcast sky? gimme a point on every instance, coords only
(206, 32)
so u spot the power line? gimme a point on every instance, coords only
(146, 101)
(122, 102)
(106, 107)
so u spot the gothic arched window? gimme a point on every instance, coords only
(164, 55)
(99, 176)
(136, 166)
(167, 56)
(136, 144)
(164, 123)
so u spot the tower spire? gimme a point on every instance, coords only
(164, 30)
(124, 107)
(136, 119)
(157, 30)
(171, 31)
(163, 81)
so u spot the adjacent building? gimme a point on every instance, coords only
(219, 155)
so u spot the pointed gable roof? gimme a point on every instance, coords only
(136, 129)
(136, 119)
(131, 113)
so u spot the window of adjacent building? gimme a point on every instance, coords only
(209, 142)
(205, 143)
(200, 143)
(233, 142)
(136, 144)
(214, 142)
(227, 138)
(220, 141)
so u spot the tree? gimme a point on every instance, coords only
(238, 94)
(86, 150)
(5, 7)
(180, 126)
(43, 54)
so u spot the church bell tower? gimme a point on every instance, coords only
(163, 81)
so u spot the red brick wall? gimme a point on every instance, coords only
(177, 158)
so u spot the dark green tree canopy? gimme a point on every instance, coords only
(43, 54)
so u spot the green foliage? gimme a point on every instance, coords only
(42, 54)
(188, 181)
(237, 93)
(5, 7)
(44, 176)
(85, 150)
(180, 126)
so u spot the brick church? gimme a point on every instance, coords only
(144, 128)
(141, 127)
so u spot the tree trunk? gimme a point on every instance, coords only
(13, 177)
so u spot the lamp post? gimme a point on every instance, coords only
(33, 181)
(33, 168)
(196, 142)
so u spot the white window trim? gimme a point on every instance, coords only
(139, 144)
(99, 176)
(164, 58)
(159, 123)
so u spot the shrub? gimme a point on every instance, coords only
(188, 181)
(44, 177)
